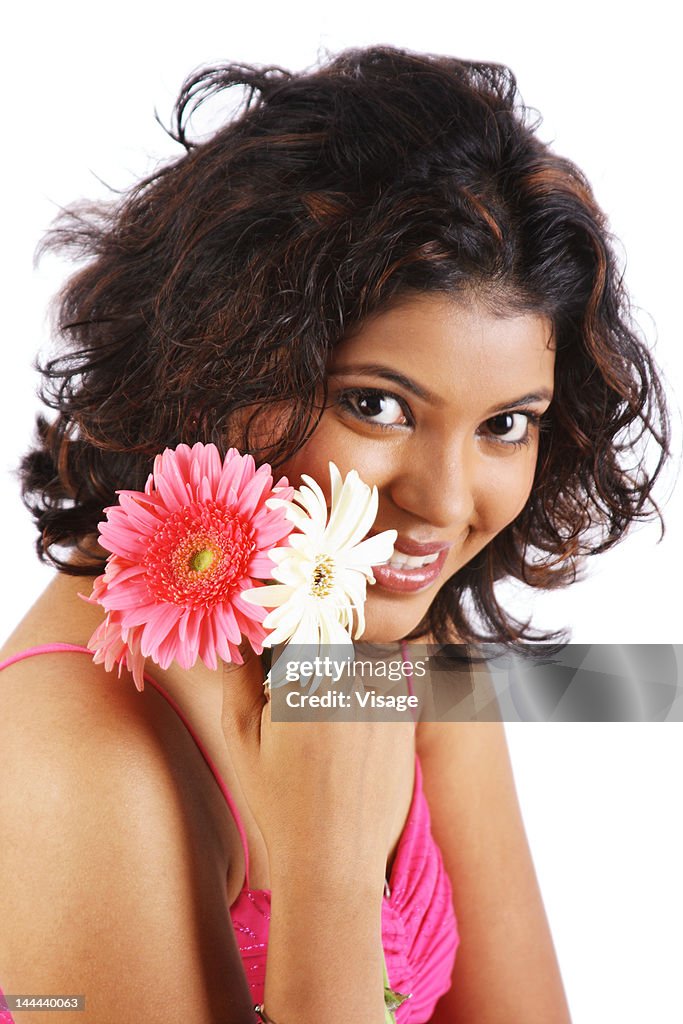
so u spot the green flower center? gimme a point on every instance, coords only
(202, 560)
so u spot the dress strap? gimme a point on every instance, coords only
(43, 649)
(59, 648)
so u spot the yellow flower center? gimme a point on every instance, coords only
(202, 560)
(322, 579)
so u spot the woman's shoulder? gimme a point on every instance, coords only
(85, 746)
(102, 850)
(85, 735)
(58, 706)
(49, 689)
(80, 743)
(61, 709)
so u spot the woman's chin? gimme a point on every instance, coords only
(383, 627)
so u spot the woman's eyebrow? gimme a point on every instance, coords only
(542, 395)
(375, 370)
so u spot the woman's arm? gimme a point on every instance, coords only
(506, 971)
(326, 796)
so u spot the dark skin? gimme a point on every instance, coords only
(454, 463)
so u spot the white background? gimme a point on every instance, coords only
(80, 84)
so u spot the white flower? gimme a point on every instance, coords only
(323, 574)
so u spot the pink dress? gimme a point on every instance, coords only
(419, 929)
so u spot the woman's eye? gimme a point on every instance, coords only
(374, 407)
(510, 427)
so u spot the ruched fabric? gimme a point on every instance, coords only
(419, 928)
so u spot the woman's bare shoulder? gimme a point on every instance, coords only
(105, 866)
(60, 709)
(68, 720)
(60, 701)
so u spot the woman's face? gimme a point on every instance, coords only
(436, 402)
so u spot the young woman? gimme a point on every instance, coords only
(375, 263)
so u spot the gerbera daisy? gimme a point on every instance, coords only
(182, 555)
(323, 575)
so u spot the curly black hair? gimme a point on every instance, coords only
(219, 285)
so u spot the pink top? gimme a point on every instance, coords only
(419, 929)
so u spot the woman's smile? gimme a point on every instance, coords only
(404, 573)
(437, 402)
(413, 565)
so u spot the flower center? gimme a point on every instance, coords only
(322, 578)
(197, 556)
(202, 560)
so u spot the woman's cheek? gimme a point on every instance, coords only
(506, 493)
(331, 442)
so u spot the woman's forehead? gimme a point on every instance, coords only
(445, 345)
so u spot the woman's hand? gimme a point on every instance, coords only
(324, 794)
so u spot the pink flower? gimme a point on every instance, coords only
(182, 552)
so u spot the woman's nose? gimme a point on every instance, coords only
(437, 485)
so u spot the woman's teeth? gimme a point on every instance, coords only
(400, 561)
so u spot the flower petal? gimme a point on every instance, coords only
(373, 550)
(252, 493)
(335, 483)
(353, 514)
(270, 596)
(313, 501)
(315, 496)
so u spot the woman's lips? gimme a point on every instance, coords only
(406, 546)
(404, 580)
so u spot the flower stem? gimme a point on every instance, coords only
(392, 1000)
